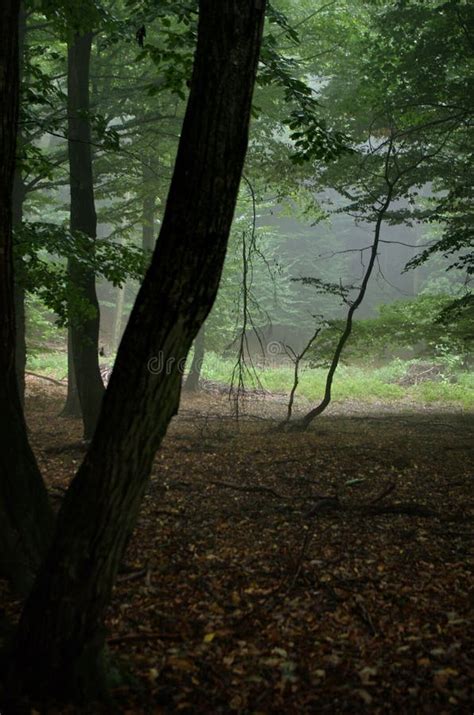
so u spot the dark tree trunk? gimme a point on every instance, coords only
(59, 646)
(148, 216)
(18, 198)
(84, 329)
(72, 406)
(25, 515)
(192, 381)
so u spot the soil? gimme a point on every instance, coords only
(272, 572)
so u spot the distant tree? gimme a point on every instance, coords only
(192, 380)
(84, 328)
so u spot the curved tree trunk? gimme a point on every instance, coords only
(304, 422)
(25, 515)
(59, 647)
(84, 330)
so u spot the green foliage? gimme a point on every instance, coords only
(42, 251)
(418, 327)
(40, 329)
(50, 363)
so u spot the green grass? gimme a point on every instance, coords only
(353, 383)
(350, 383)
(51, 364)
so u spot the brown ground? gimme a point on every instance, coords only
(328, 571)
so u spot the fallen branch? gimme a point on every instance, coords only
(61, 383)
(307, 539)
(363, 613)
(391, 487)
(134, 575)
(146, 635)
(405, 509)
(237, 487)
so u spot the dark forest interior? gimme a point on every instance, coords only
(236, 388)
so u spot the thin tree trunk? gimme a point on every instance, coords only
(84, 329)
(305, 421)
(119, 303)
(25, 514)
(192, 381)
(59, 646)
(72, 406)
(148, 216)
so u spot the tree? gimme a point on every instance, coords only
(192, 380)
(18, 196)
(59, 647)
(84, 329)
(25, 513)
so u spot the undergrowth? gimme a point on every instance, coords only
(365, 384)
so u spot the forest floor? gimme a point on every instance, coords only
(325, 571)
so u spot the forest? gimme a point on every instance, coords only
(236, 388)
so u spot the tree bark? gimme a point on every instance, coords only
(118, 317)
(25, 514)
(18, 198)
(148, 216)
(192, 381)
(84, 328)
(59, 647)
(72, 406)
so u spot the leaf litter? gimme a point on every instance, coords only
(324, 571)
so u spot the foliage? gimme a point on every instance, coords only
(43, 249)
(418, 327)
(40, 329)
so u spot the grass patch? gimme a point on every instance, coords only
(51, 364)
(350, 383)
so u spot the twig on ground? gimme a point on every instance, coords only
(391, 487)
(146, 635)
(61, 383)
(238, 487)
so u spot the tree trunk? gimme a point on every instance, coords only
(72, 406)
(84, 323)
(59, 646)
(25, 514)
(148, 216)
(18, 198)
(192, 381)
(119, 303)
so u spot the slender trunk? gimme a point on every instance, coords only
(25, 515)
(305, 421)
(119, 303)
(59, 645)
(84, 323)
(192, 381)
(148, 215)
(72, 406)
